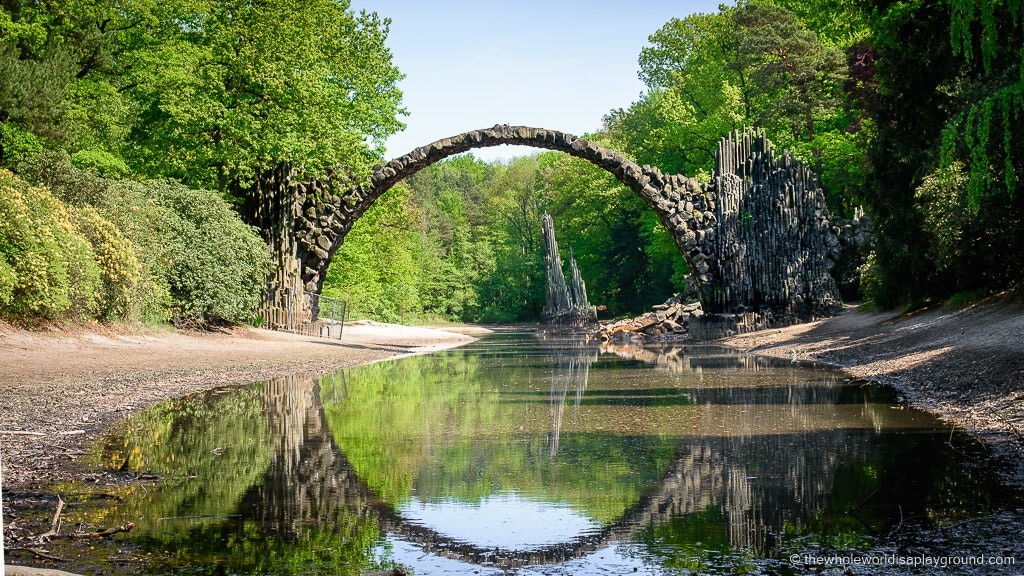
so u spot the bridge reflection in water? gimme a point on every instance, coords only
(667, 452)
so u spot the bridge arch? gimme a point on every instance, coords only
(757, 238)
(680, 202)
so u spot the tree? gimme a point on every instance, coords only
(378, 268)
(517, 200)
(794, 78)
(990, 37)
(206, 91)
(709, 74)
(70, 64)
(237, 87)
(943, 161)
(694, 97)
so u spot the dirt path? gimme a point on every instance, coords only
(966, 366)
(59, 391)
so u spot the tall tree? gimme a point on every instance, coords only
(206, 91)
(944, 162)
(756, 64)
(237, 87)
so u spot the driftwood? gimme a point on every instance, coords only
(54, 524)
(39, 553)
(108, 532)
(54, 531)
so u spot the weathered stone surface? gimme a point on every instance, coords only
(757, 237)
(564, 304)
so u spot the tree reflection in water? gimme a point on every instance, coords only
(672, 454)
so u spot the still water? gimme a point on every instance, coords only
(522, 455)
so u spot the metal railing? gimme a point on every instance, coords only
(331, 323)
(290, 310)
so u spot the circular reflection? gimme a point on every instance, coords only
(507, 521)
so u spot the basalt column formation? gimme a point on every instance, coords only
(757, 238)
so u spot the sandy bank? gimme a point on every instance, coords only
(58, 390)
(966, 366)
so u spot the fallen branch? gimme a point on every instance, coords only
(107, 533)
(37, 552)
(54, 525)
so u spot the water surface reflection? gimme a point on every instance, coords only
(517, 451)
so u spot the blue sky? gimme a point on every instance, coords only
(560, 64)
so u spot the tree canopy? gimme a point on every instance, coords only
(205, 91)
(125, 113)
(909, 109)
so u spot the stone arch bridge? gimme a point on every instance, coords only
(757, 237)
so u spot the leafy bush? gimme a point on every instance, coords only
(164, 251)
(219, 265)
(118, 265)
(102, 163)
(50, 269)
(18, 144)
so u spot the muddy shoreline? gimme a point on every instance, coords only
(965, 366)
(59, 391)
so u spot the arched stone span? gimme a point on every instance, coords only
(757, 238)
(310, 478)
(661, 192)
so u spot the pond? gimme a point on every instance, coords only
(525, 455)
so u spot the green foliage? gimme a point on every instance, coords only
(219, 265)
(944, 160)
(207, 92)
(165, 251)
(709, 74)
(695, 97)
(378, 268)
(18, 145)
(118, 265)
(839, 24)
(512, 287)
(33, 88)
(245, 86)
(50, 268)
(794, 78)
(942, 199)
(102, 163)
(983, 133)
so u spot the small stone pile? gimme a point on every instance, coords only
(668, 321)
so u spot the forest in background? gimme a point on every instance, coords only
(910, 109)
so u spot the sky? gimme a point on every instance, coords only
(560, 64)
